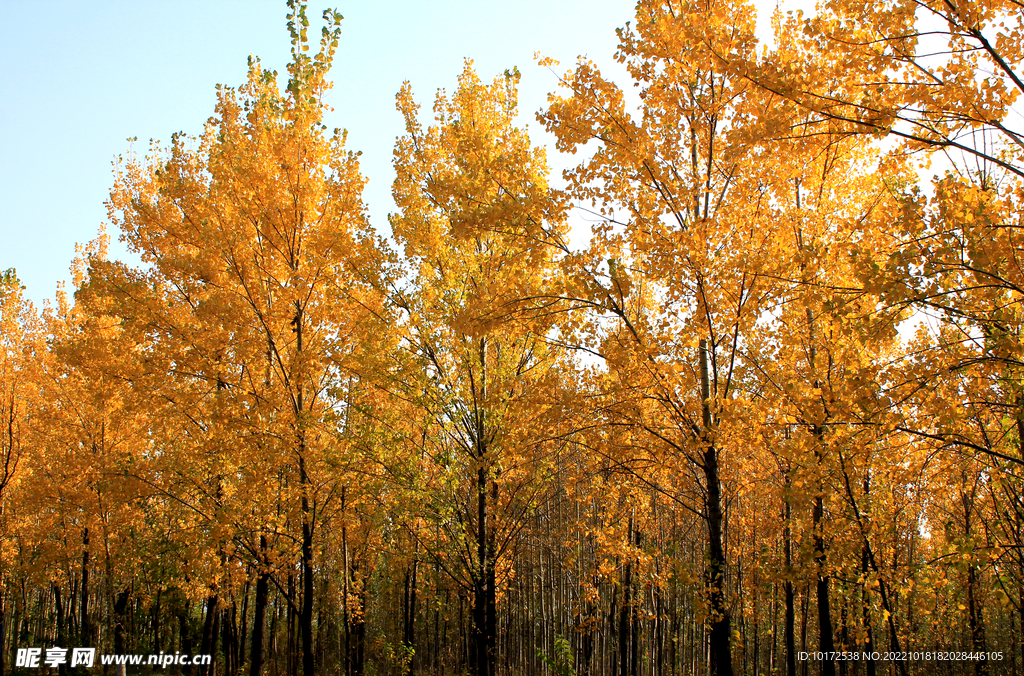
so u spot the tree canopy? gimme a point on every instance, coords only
(767, 418)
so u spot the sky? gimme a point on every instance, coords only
(78, 79)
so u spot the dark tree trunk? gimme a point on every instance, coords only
(481, 639)
(869, 641)
(185, 633)
(259, 613)
(306, 612)
(85, 631)
(826, 640)
(720, 657)
(624, 609)
(290, 645)
(210, 633)
(357, 640)
(229, 639)
(790, 612)
(721, 625)
(58, 603)
(409, 610)
(634, 629)
(3, 623)
(975, 622)
(120, 605)
(485, 616)
(155, 624)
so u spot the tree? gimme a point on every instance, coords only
(474, 207)
(19, 336)
(259, 303)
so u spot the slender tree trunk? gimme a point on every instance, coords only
(61, 637)
(229, 638)
(588, 636)
(86, 629)
(3, 622)
(720, 653)
(259, 612)
(345, 610)
(155, 624)
(825, 632)
(290, 615)
(790, 612)
(484, 582)
(185, 634)
(613, 633)
(826, 640)
(242, 632)
(120, 605)
(482, 601)
(210, 633)
(975, 621)
(491, 627)
(803, 628)
(869, 641)
(357, 630)
(409, 619)
(659, 639)
(624, 610)
(306, 612)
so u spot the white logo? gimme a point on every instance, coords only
(83, 656)
(56, 656)
(28, 657)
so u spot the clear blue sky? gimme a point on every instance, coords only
(79, 78)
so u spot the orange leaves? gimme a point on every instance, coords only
(271, 376)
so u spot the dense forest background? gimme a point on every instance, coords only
(772, 405)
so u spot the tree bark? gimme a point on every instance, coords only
(869, 641)
(790, 613)
(185, 634)
(826, 640)
(306, 612)
(210, 633)
(85, 631)
(485, 618)
(120, 605)
(720, 653)
(3, 622)
(259, 613)
(409, 619)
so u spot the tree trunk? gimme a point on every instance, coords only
(210, 632)
(409, 615)
(155, 624)
(869, 641)
(61, 638)
(484, 616)
(485, 620)
(720, 654)
(624, 611)
(120, 605)
(306, 612)
(259, 612)
(790, 619)
(229, 638)
(3, 623)
(85, 630)
(826, 641)
(975, 621)
(357, 634)
(184, 634)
